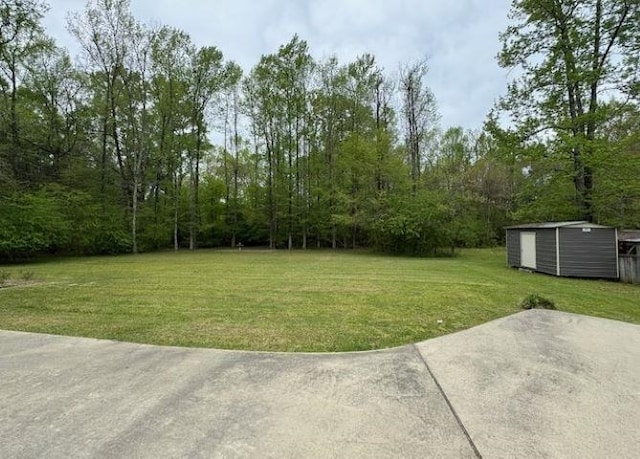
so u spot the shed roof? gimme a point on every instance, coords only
(553, 225)
(629, 235)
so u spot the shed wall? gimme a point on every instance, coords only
(629, 268)
(513, 248)
(546, 251)
(588, 254)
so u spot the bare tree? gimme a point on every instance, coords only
(419, 114)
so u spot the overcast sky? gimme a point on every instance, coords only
(459, 37)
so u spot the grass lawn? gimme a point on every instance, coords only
(280, 301)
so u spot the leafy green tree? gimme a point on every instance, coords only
(617, 193)
(22, 39)
(232, 140)
(494, 181)
(54, 116)
(208, 76)
(570, 54)
(277, 92)
(170, 59)
(117, 49)
(328, 105)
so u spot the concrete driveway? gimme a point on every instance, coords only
(536, 384)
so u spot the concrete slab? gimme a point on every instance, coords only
(544, 384)
(73, 397)
(536, 384)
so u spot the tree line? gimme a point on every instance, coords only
(149, 142)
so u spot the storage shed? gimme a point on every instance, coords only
(567, 249)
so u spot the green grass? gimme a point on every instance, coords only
(280, 301)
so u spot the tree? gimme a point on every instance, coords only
(171, 49)
(419, 115)
(327, 105)
(137, 114)
(617, 193)
(54, 119)
(207, 78)
(22, 39)
(358, 159)
(277, 92)
(493, 181)
(231, 114)
(112, 42)
(571, 54)
(119, 148)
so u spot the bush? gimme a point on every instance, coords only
(109, 238)
(31, 224)
(54, 220)
(535, 301)
(412, 226)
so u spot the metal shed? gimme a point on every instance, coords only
(567, 249)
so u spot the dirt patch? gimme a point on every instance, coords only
(12, 283)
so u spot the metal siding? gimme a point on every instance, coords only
(513, 247)
(588, 254)
(617, 255)
(557, 234)
(546, 251)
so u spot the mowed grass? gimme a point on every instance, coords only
(281, 301)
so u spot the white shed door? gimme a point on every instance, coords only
(528, 250)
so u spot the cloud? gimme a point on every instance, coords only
(460, 38)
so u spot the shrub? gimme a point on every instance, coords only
(535, 301)
(54, 220)
(31, 224)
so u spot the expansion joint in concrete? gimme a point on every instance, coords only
(451, 408)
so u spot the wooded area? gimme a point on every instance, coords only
(148, 142)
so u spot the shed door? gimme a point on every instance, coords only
(528, 250)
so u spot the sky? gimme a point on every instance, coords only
(459, 38)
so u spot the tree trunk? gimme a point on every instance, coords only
(103, 161)
(270, 194)
(236, 143)
(15, 130)
(134, 215)
(176, 204)
(225, 166)
(193, 226)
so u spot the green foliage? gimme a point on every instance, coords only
(54, 220)
(459, 202)
(535, 301)
(617, 191)
(107, 238)
(570, 54)
(413, 226)
(114, 155)
(31, 224)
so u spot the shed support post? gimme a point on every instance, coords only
(558, 252)
(617, 257)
